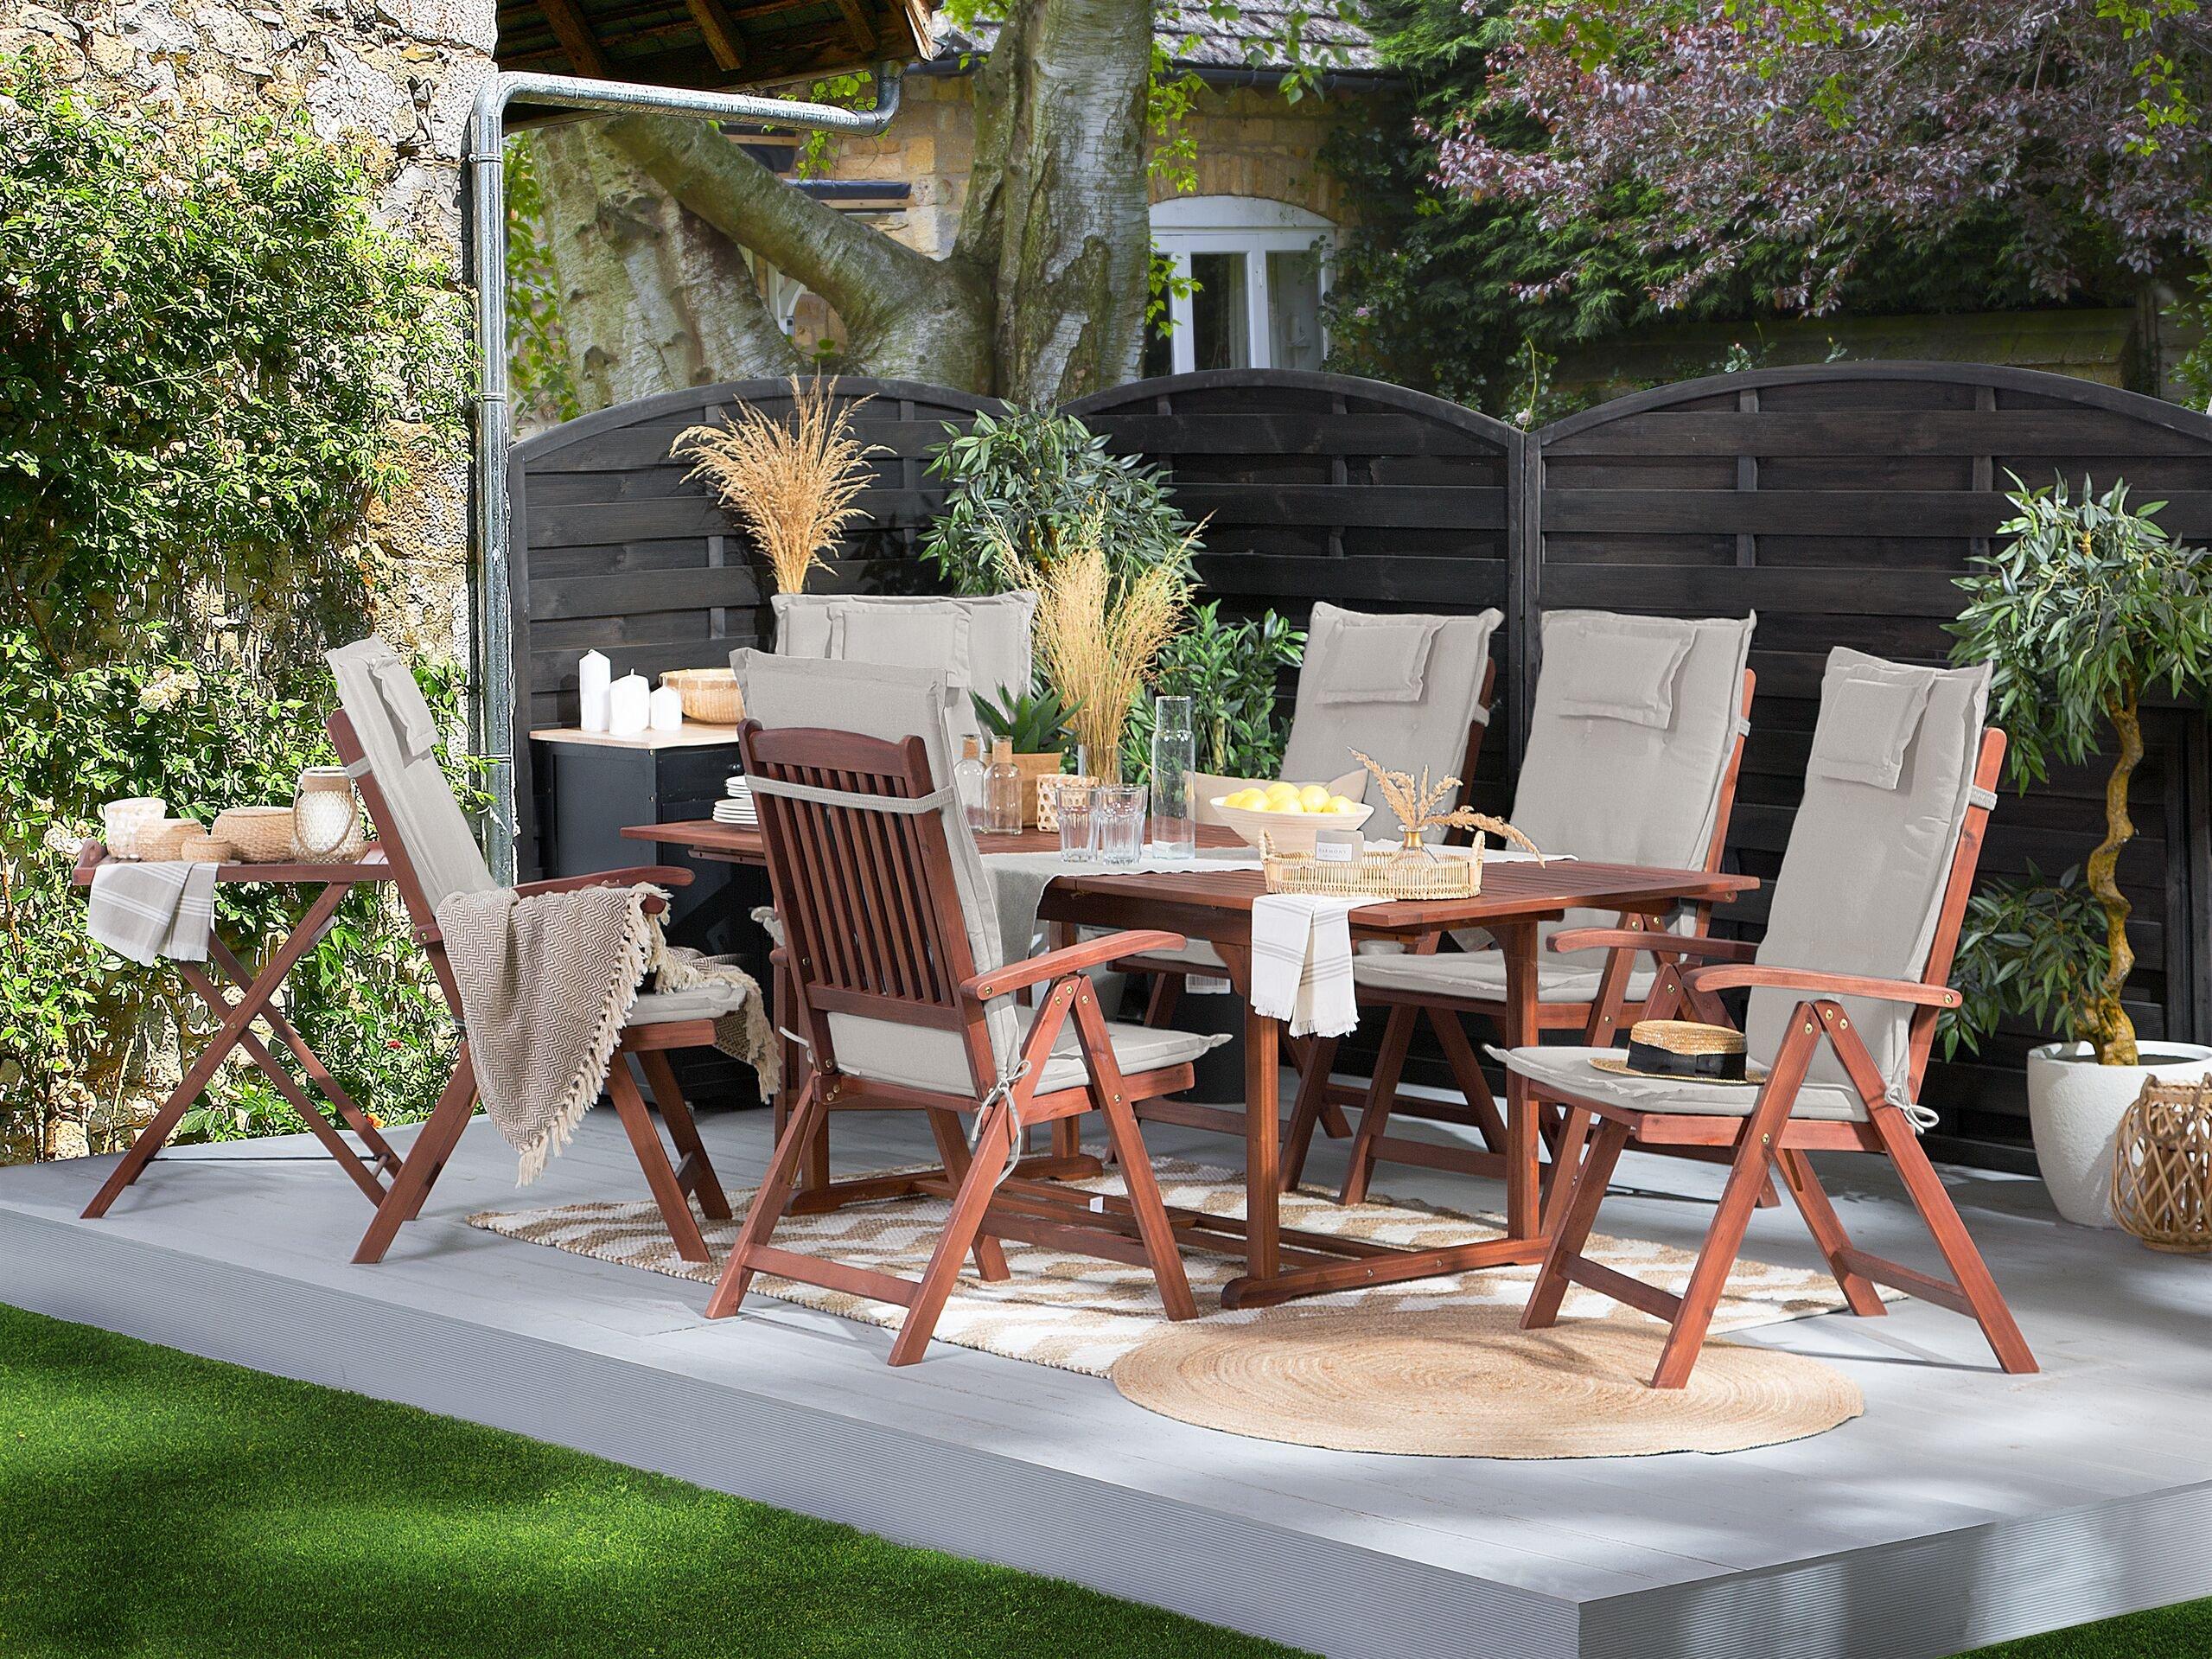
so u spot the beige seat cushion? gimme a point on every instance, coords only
(1570, 1070)
(1480, 975)
(695, 1002)
(929, 1064)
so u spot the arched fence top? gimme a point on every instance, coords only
(685, 404)
(1212, 385)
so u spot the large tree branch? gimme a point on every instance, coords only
(906, 313)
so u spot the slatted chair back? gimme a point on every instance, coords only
(886, 905)
(1880, 861)
(1402, 688)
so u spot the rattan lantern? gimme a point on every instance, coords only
(2162, 1167)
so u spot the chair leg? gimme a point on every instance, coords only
(1306, 1115)
(969, 1203)
(1942, 1216)
(1747, 1177)
(1110, 1093)
(768, 1202)
(953, 1153)
(1828, 1230)
(426, 1159)
(1587, 1193)
(659, 1174)
(695, 1175)
(1160, 1005)
(1566, 1159)
(1467, 1072)
(1382, 1091)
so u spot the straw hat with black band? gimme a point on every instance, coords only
(1684, 1049)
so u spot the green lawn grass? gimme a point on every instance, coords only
(154, 1504)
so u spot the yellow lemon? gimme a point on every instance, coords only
(1313, 798)
(1244, 800)
(1343, 804)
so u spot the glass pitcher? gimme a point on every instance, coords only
(1175, 753)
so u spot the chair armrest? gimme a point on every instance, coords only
(661, 875)
(1654, 939)
(1069, 959)
(1730, 976)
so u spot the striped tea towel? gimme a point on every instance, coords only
(1302, 962)
(145, 911)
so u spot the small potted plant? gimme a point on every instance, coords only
(1034, 724)
(2087, 608)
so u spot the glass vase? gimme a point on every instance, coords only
(1175, 753)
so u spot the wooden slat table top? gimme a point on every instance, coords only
(370, 866)
(1508, 889)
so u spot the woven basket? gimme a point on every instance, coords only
(1453, 872)
(2162, 1167)
(708, 695)
(160, 842)
(206, 849)
(261, 835)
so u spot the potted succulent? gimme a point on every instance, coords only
(1035, 725)
(2088, 607)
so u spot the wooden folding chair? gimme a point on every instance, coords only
(882, 897)
(1846, 1051)
(1442, 732)
(382, 734)
(1421, 984)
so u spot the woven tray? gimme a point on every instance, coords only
(1453, 872)
(708, 695)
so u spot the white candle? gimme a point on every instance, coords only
(592, 670)
(629, 706)
(667, 709)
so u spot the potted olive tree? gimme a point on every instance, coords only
(2088, 606)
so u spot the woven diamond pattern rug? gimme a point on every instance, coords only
(1080, 1314)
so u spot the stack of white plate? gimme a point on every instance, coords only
(737, 807)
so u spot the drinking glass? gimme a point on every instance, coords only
(1175, 752)
(1121, 814)
(1076, 804)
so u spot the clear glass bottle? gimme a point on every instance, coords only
(1002, 792)
(967, 782)
(1175, 753)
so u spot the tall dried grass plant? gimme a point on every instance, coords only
(1098, 636)
(793, 484)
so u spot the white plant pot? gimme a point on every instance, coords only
(2075, 1107)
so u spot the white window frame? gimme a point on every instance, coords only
(1252, 225)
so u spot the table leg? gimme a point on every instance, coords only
(1518, 1026)
(1067, 1132)
(197, 1076)
(1262, 1132)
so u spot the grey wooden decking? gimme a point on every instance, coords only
(1966, 1507)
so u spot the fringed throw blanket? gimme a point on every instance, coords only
(746, 1032)
(546, 983)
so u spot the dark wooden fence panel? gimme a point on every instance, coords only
(614, 549)
(1841, 502)
(1326, 486)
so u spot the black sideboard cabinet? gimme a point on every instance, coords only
(591, 787)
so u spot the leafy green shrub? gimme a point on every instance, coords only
(2032, 947)
(1230, 672)
(215, 365)
(2088, 606)
(213, 359)
(1026, 478)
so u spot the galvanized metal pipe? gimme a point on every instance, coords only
(493, 710)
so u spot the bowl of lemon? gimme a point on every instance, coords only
(1289, 815)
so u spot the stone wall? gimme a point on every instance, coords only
(397, 76)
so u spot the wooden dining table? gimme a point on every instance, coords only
(1280, 1265)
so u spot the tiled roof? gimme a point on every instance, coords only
(1252, 38)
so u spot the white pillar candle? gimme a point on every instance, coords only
(667, 709)
(629, 706)
(592, 671)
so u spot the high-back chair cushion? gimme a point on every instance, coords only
(1862, 882)
(399, 736)
(1629, 739)
(892, 704)
(976, 643)
(1402, 688)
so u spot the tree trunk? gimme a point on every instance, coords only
(2114, 1036)
(1040, 300)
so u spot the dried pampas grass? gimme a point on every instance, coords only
(1098, 637)
(1417, 803)
(792, 485)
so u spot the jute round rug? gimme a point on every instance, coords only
(1470, 1384)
